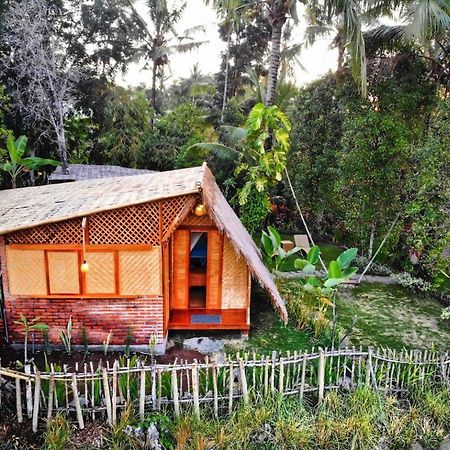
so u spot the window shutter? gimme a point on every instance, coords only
(214, 271)
(140, 272)
(180, 290)
(63, 272)
(23, 281)
(101, 278)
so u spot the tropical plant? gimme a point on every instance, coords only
(163, 40)
(106, 342)
(29, 326)
(66, 336)
(57, 435)
(260, 152)
(19, 163)
(274, 255)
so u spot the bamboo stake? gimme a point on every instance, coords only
(19, 401)
(76, 400)
(28, 391)
(321, 374)
(107, 396)
(176, 403)
(37, 394)
(215, 391)
(51, 390)
(114, 394)
(142, 395)
(195, 389)
(302, 382)
(230, 390)
(281, 376)
(243, 382)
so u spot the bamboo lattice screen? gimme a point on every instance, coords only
(147, 223)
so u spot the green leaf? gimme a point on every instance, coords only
(313, 281)
(334, 270)
(308, 287)
(300, 263)
(274, 236)
(345, 259)
(349, 272)
(309, 268)
(267, 244)
(21, 144)
(39, 327)
(34, 162)
(10, 145)
(332, 282)
(313, 254)
(7, 167)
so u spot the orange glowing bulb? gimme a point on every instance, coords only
(84, 267)
(200, 210)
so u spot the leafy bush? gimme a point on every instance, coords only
(374, 269)
(406, 280)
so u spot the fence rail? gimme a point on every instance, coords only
(93, 392)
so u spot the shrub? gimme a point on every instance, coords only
(374, 269)
(406, 280)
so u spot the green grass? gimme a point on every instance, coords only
(389, 316)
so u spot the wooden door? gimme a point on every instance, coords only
(214, 270)
(180, 272)
(166, 283)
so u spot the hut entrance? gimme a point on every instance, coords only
(198, 264)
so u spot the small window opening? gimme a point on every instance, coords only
(197, 266)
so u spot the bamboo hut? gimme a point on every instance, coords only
(133, 256)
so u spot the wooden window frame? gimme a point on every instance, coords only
(113, 248)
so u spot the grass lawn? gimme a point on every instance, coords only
(384, 316)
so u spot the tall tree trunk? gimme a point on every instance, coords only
(341, 50)
(61, 137)
(278, 19)
(227, 68)
(154, 85)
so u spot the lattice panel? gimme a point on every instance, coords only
(67, 232)
(171, 208)
(137, 224)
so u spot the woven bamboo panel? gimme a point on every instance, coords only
(234, 278)
(23, 281)
(171, 208)
(140, 272)
(137, 224)
(193, 220)
(67, 232)
(101, 276)
(63, 272)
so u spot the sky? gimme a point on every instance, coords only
(316, 60)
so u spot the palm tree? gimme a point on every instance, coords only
(162, 40)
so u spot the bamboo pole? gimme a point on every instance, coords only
(51, 391)
(243, 382)
(107, 395)
(19, 401)
(195, 389)
(321, 375)
(215, 391)
(142, 395)
(76, 400)
(230, 390)
(114, 394)
(37, 394)
(176, 403)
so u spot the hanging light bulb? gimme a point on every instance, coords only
(200, 210)
(84, 267)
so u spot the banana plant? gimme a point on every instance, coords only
(274, 254)
(28, 326)
(18, 162)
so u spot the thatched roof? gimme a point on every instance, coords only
(78, 172)
(32, 206)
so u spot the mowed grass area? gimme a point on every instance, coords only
(387, 315)
(376, 315)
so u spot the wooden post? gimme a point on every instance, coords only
(303, 376)
(107, 395)
(51, 391)
(76, 400)
(243, 381)
(142, 395)
(28, 391)
(176, 403)
(114, 394)
(321, 374)
(281, 376)
(195, 390)
(37, 394)
(19, 401)
(230, 390)
(215, 391)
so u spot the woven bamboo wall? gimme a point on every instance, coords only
(193, 220)
(234, 278)
(63, 272)
(22, 281)
(146, 223)
(101, 278)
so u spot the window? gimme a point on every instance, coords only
(198, 262)
(63, 272)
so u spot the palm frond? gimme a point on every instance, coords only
(233, 135)
(217, 150)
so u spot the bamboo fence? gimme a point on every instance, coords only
(101, 392)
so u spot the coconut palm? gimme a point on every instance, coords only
(161, 39)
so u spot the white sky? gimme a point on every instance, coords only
(316, 60)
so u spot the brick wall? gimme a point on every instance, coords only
(144, 315)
